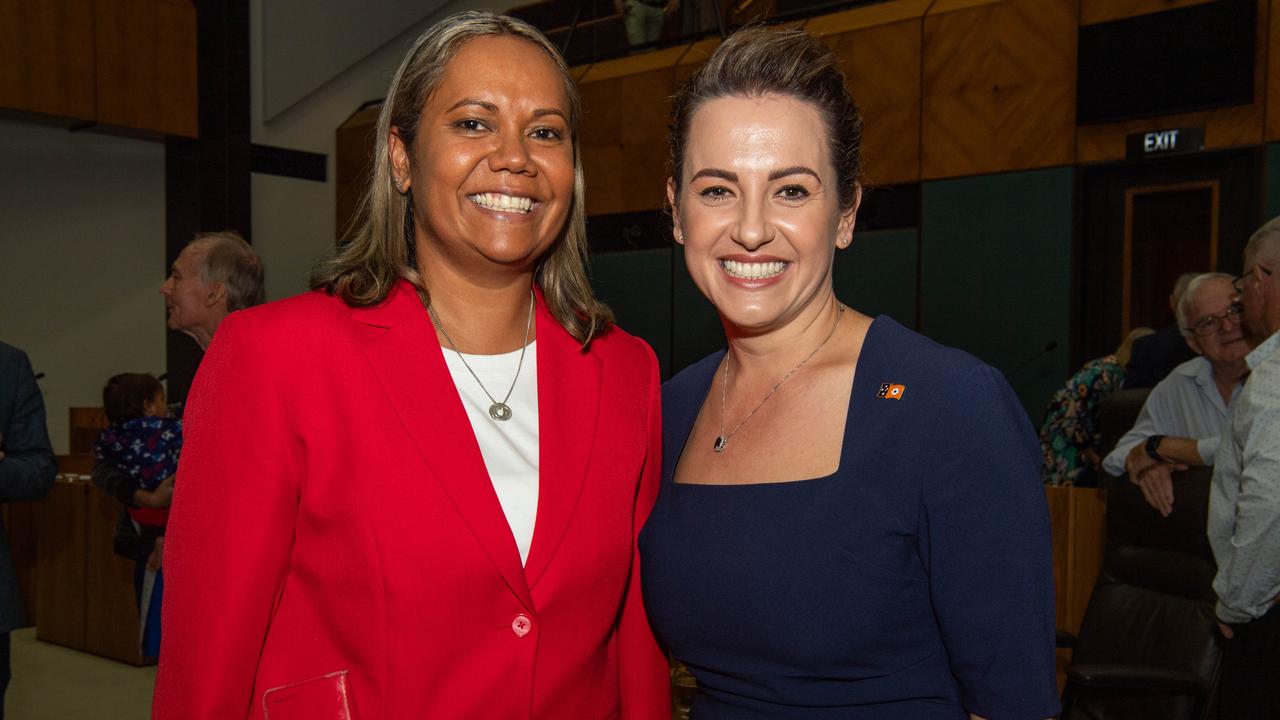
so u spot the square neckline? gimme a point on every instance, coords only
(844, 440)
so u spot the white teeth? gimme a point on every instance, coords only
(502, 203)
(753, 271)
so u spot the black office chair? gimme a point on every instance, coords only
(1148, 646)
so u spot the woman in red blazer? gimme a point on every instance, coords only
(352, 534)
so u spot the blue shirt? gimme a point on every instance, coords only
(914, 582)
(1184, 404)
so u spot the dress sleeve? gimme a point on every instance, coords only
(988, 553)
(645, 676)
(230, 529)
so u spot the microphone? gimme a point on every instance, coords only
(39, 376)
(1048, 348)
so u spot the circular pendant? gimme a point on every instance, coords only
(721, 441)
(500, 412)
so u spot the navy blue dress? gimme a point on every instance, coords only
(914, 582)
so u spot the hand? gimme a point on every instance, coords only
(1226, 630)
(160, 498)
(157, 554)
(1138, 460)
(1156, 483)
(1092, 457)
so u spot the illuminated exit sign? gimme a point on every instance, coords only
(1155, 143)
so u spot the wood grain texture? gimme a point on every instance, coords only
(1272, 108)
(867, 16)
(60, 564)
(354, 145)
(624, 140)
(1223, 127)
(146, 65)
(1097, 11)
(111, 613)
(998, 88)
(46, 57)
(1078, 520)
(882, 69)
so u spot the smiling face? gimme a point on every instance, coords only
(1227, 344)
(759, 212)
(491, 167)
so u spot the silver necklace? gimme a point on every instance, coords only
(722, 440)
(499, 410)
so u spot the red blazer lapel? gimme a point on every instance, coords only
(568, 403)
(407, 359)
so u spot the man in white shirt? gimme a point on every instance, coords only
(1186, 412)
(1244, 501)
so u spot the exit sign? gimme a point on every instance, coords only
(1155, 143)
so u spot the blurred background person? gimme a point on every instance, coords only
(143, 442)
(27, 470)
(1154, 357)
(1069, 435)
(1181, 421)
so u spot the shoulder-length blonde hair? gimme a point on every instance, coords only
(378, 247)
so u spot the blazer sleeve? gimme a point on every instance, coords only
(990, 563)
(29, 466)
(645, 675)
(230, 528)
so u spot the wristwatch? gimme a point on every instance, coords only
(1153, 448)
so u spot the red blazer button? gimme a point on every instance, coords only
(521, 625)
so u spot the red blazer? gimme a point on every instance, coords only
(335, 540)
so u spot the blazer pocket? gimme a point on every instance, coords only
(327, 697)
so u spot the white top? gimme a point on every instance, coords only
(1184, 404)
(509, 447)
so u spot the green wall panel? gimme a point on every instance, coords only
(996, 273)
(637, 285)
(877, 274)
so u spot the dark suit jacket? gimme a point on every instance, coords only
(28, 467)
(1155, 356)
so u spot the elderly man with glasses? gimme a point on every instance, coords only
(1244, 501)
(1186, 412)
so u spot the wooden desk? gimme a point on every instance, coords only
(84, 595)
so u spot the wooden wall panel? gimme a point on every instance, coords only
(1272, 110)
(46, 57)
(111, 613)
(146, 65)
(999, 87)
(1078, 520)
(624, 140)
(1223, 127)
(60, 565)
(354, 144)
(882, 68)
(1097, 11)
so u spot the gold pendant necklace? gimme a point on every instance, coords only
(722, 440)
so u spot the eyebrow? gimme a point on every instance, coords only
(774, 175)
(794, 170)
(490, 107)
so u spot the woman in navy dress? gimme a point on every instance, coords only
(851, 523)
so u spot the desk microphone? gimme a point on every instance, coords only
(1050, 347)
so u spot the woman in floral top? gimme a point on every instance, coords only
(1069, 436)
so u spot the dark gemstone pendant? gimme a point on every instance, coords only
(721, 441)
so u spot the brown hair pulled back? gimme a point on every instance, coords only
(757, 61)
